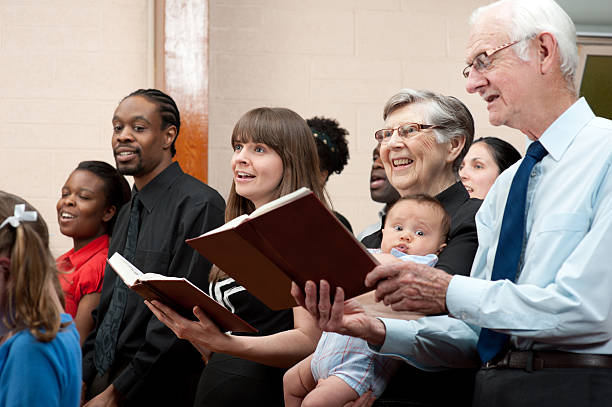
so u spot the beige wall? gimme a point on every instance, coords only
(64, 66)
(66, 63)
(341, 59)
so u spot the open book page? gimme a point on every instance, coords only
(229, 225)
(130, 274)
(279, 202)
(178, 293)
(260, 211)
(124, 269)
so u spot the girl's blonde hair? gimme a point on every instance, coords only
(33, 289)
(289, 136)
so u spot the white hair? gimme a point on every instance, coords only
(528, 18)
(449, 113)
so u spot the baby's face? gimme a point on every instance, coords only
(413, 228)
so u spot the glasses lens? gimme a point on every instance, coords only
(408, 130)
(466, 71)
(482, 63)
(383, 135)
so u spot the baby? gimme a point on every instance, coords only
(342, 368)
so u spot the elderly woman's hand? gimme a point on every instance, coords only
(343, 317)
(408, 286)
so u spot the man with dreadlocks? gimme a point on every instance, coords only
(131, 358)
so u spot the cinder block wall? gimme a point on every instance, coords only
(64, 65)
(341, 59)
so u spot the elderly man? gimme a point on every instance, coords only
(536, 312)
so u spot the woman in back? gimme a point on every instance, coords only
(274, 154)
(86, 211)
(332, 149)
(485, 160)
(40, 355)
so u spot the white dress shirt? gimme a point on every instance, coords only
(563, 296)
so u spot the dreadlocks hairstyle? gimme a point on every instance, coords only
(332, 146)
(33, 293)
(168, 110)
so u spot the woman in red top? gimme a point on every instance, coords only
(91, 197)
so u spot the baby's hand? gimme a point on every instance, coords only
(386, 258)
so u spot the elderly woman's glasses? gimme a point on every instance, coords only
(482, 62)
(405, 131)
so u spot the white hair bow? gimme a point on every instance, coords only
(20, 215)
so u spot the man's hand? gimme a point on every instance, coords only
(343, 317)
(108, 398)
(408, 286)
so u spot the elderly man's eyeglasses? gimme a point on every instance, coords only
(405, 131)
(482, 62)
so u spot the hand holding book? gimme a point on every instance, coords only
(178, 293)
(293, 238)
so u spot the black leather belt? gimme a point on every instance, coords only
(536, 360)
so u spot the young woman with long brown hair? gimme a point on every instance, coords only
(274, 154)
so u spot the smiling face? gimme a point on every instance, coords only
(140, 146)
(413, 228)
(418, 164)
(509, 86)
(82, 210)
(478, 170)
(258, 171)
(381, 189)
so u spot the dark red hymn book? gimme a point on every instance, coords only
(178, 293)
(293, 238)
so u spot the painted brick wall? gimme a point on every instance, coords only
(65, 64)
(337, 58)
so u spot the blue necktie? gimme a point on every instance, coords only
(510, 245)
(108, 332)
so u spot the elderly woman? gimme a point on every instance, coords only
(422, 146)
(423, 142)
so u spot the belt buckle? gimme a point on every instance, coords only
(489, 365)
(497, 362)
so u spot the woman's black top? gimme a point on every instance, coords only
(231, 381)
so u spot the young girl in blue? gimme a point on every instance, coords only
(40, 355)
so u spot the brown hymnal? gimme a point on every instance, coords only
(293, 238)
(178, 293)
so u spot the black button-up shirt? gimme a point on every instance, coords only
(160, 367)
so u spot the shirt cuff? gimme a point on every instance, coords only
(463, 297)
(399, 340)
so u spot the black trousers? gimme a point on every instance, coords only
(542, 388)
(416, 388)
(231, 381)
(168, 387)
